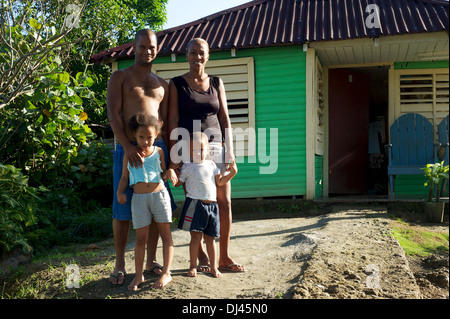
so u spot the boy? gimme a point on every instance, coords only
(200, 213)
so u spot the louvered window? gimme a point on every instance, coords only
(423, 91)
(441, 94)
(238, 78)
(416, 93)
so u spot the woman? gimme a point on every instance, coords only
(197, 98)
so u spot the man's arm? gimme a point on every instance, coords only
(114, 108)
(121, 197)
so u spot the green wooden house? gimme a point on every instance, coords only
(314, 85)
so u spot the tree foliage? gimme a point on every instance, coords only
(45, 74)
(70, 31)
(29, 39)
(49, 94)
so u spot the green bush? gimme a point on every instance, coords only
(62, 222)
(72, 210)
(69, 211)
(17, 208)
(91, 171)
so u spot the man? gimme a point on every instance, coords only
(130, 91)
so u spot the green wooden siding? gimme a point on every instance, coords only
(280, 75)
(280, 102)
(125, 64)
(410, 186)
(319, 176)
(421, 65)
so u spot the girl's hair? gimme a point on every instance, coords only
(141, 119)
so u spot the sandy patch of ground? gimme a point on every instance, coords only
(345, 253)
(348, 253)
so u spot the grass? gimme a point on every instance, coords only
(416, 241)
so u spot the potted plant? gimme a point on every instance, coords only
(435, 174)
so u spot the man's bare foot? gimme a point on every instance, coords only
(117, 277)
(154, 268)
(192, 272)
(162, 281)
(134, 286)
(216, 273)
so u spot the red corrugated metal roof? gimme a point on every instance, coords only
(281, 22)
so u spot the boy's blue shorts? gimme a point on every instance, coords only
(123, 211)
(200, 217)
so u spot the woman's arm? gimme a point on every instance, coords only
(172, 118)
(164, 110)
(225, 124)
(223, 179)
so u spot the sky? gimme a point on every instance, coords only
(183, 11)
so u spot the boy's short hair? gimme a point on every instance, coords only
(141, 119)
(199, 136)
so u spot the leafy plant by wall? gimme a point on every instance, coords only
(18, 202)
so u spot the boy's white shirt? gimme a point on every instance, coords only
(199, 179)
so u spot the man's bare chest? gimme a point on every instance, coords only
(144, 89)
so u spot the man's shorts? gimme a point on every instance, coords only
(123, 211)
(200, 217)
(154, 205)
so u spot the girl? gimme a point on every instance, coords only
(150, 199)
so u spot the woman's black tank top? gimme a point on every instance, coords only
(203, 106)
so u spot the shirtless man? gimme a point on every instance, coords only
(132, 90)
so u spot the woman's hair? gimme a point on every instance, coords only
(195, 40)
(141, 119)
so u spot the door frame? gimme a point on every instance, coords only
(310, 166)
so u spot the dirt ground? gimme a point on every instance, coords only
(324, 252)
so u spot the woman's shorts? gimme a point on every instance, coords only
(155, 205)
(216, 153)
(200, 217)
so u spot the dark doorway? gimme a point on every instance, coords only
(349, 127)
(358, 106)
